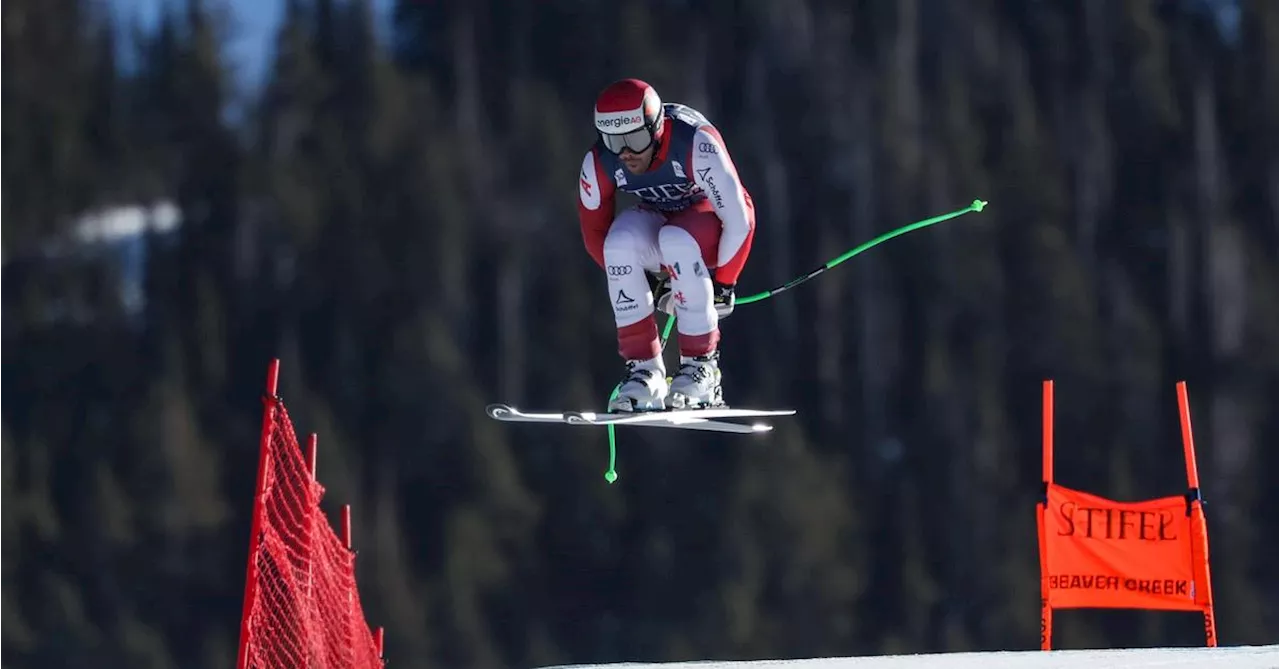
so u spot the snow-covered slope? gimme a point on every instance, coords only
(1235, 657)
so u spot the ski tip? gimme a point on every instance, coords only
(581, 417)
(499, 410)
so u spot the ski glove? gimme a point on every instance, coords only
(661, 287)
(722, 297)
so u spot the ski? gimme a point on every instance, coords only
(688, 419)
(510, 414)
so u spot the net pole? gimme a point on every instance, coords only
(251, 570)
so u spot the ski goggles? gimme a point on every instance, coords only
(636, 140)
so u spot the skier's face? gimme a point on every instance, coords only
(637, 162)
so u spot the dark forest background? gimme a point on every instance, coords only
(394, 219)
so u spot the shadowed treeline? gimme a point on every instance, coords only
(394, 218)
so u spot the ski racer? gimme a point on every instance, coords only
(681, 248)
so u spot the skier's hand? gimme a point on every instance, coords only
(722, 297)
(661, 287)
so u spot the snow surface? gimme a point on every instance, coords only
(1235, 657)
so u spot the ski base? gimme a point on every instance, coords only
(688, 419)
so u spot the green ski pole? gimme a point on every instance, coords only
(611, 474)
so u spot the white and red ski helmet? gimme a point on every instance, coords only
(628, 115)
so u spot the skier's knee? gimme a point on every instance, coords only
(621, 243)
(677, 244)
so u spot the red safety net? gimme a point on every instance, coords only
(301, 607)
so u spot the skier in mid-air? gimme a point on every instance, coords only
(681, 248)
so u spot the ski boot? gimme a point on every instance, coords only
(697, 384)
(644, 388)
